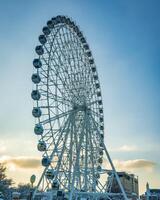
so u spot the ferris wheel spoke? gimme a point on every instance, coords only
(57, 74)
(52, 81)
(56, 117)
(71, 151)
(62, 151)
(56, 53)
(71, 91)
(75, 171)
(75, 64)
(92, 157)
(68, 60)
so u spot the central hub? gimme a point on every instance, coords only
(80, 107)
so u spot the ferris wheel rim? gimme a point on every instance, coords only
(94, 101)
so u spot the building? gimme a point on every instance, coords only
(151, 194)
(129, 182)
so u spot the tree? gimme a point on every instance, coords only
(25, 190)
(5, 183)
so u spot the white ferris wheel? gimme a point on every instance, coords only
(69, 116)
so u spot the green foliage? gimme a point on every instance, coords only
(5, 183)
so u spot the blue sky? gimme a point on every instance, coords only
(125, 39)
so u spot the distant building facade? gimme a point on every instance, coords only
(151, 194)
(130, 184)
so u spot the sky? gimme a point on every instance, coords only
(124, 37)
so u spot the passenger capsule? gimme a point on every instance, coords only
(88, 53)
(50, 173)
(68, 21)
(63, 19)
(100, 160)
(37, 63)
(41, 146)
(36, 78)
(98, 94)
(80, 34)
(93, 69)
(42, 39)
(95, 77)
(55, 185)
(102, 136)
(35, 95)
(71, 24)
(75, 28)
(54, 20)
(83, 40)
(86, 47)
(101, 119)
(91, 61)
(97, 175)
(97, 85)
(101, 144)
(46, 161)
(101, 128)
(46, 30)
(39, 50)
(101, 152)
(99, 168)
(36, 112)
(100, 103)
(50, 24)
(101, 110)
(38, 129)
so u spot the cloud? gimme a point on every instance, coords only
(135, 164)
(2, 147)
(21, 162)
(132, 165)
(125, 148)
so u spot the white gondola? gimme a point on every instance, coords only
(50, 173)
(97, 85)
(46, 161)
(100, 160)
(55, 185)
(93, 69)
(41, 146)
(50, 24)
(102, 128)
(100, 103)
(39, 50)
(101, 152)
(98, 94)
(36, 78)
(35, 95)
(42, 39)
(101, 110)
(99, 168)
(91, 61)
(36, 112)
(97, 175)
(37, 63)
(88, 53)
(38, 129)
(101, 119)
(46, 30)
(86, 47)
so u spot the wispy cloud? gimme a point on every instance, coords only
(2, 147)
(21, 162)
(132, 165)
(125, 148)
(135, 164)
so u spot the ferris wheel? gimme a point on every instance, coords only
(69, 117)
